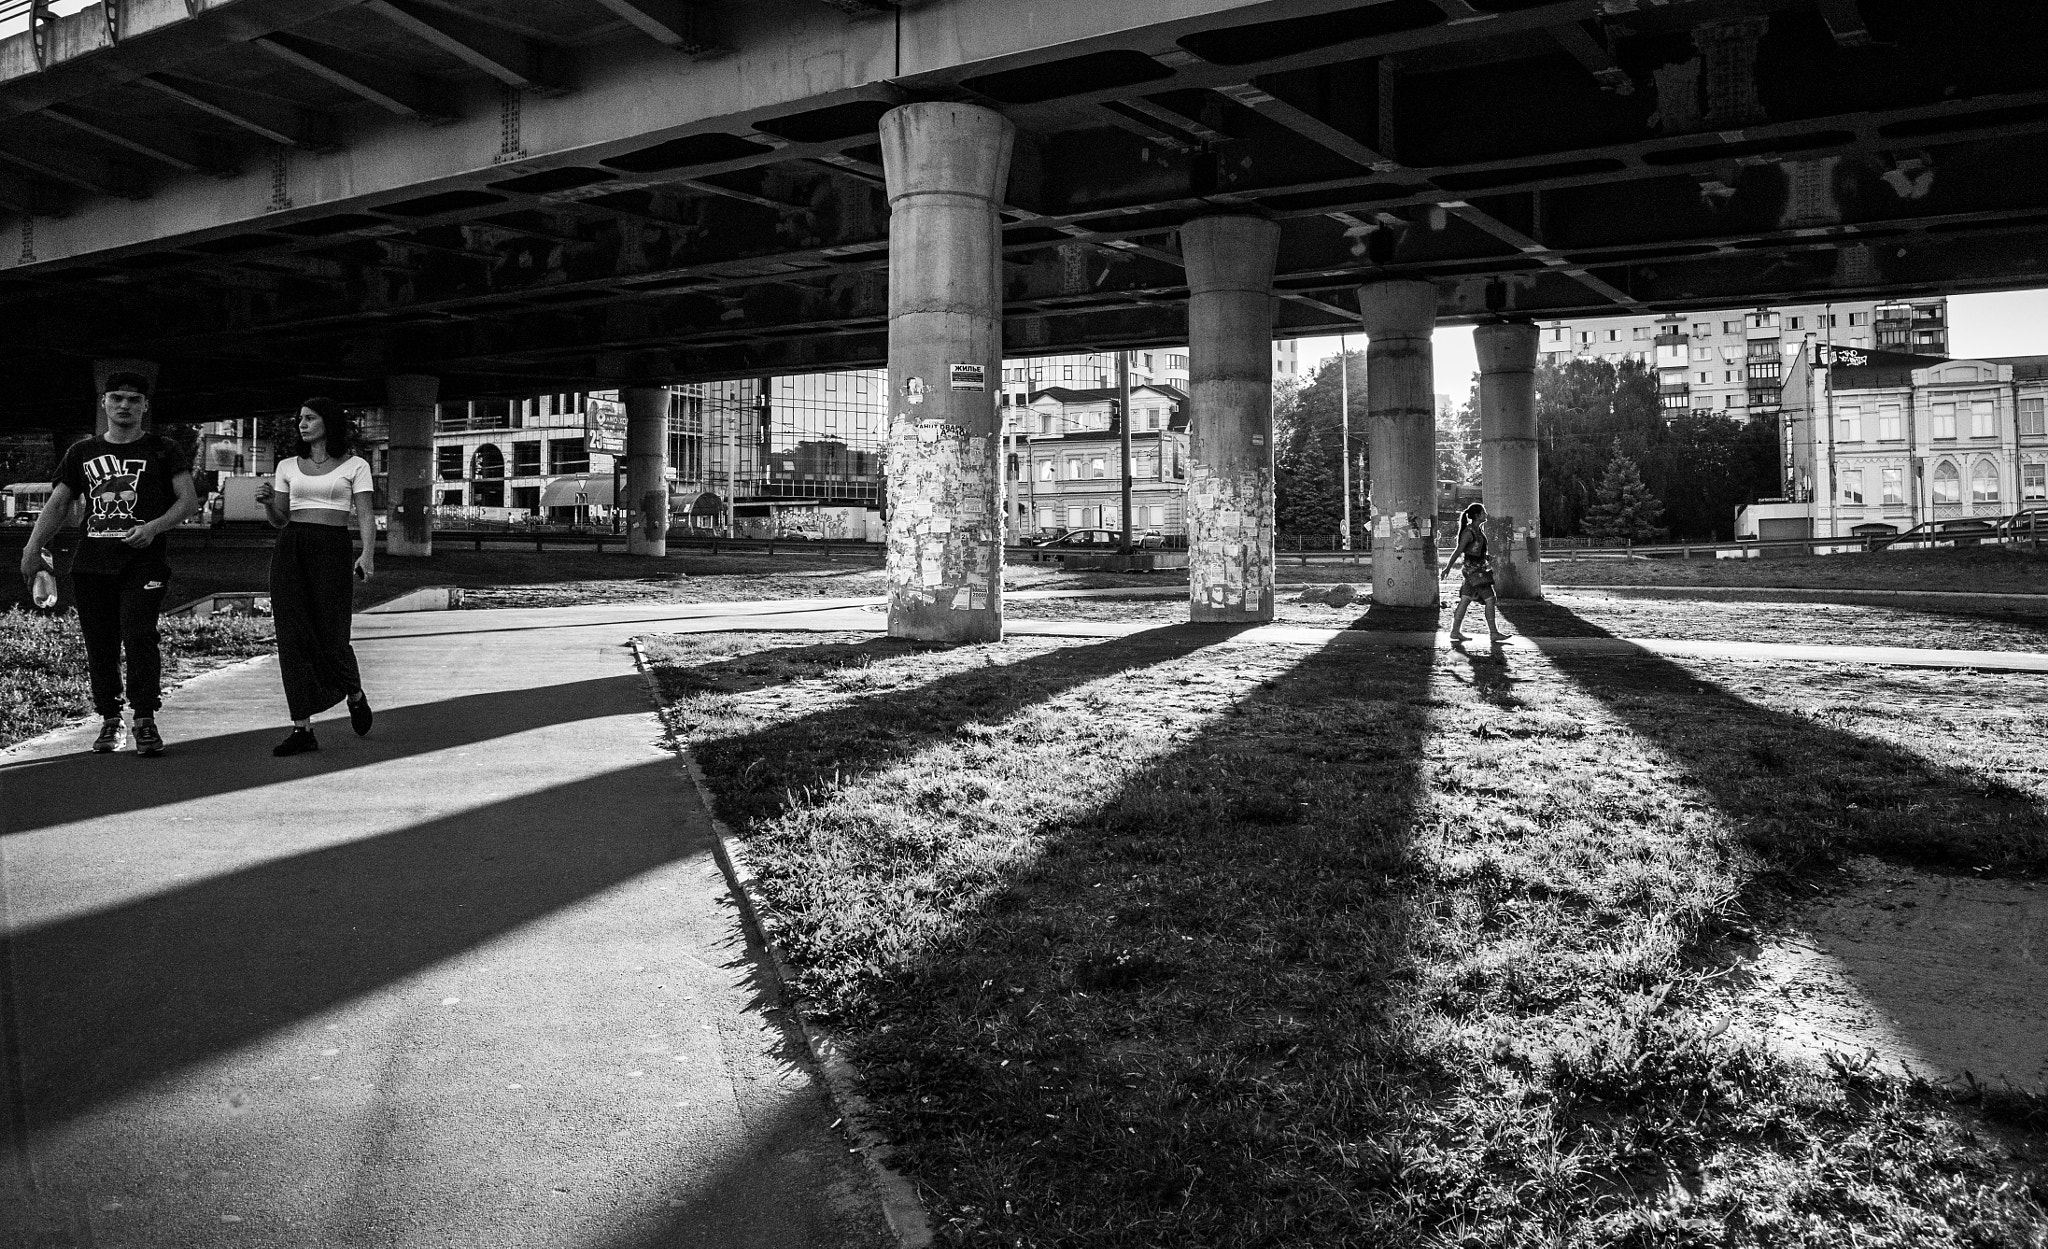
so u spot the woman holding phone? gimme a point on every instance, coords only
(311, 588)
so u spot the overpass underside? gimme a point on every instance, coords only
(519, 196)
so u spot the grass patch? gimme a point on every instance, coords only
(1960, 570)
(1166, 940)
(42, 664)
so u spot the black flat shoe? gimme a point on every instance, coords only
(359, 714)
(301, 741)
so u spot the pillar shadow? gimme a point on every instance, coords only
(53, 790)
(1805, 797)
(106, 1002)
(1861, 795)
(1233, 916)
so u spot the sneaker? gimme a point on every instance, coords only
(148, 742)
(359, 714)
(301, 741)
(109, 739)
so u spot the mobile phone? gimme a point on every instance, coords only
(359, 573)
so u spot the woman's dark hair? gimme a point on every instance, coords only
(341, 433)
(1469, 517)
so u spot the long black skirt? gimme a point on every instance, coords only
(312, 587)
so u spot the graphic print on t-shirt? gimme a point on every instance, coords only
(112, 486)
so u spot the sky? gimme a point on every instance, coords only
(2011, 323)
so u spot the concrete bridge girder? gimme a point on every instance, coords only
(1529, 163)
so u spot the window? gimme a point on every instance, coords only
(1703, 329)
(1073, 470)
(1859, 318)
(2032, 420)
(1047, 471)
(526, 459)
(1703, 353)
(2034, 482)
(1731, 327)
(1067, 373)
(1830, 320)
(1849, 424)
(1797, 323)
(1180, 362)
(448, 463)
(1095, 467)
(1890, 427)
(1614, 336)
(1983, 419)
(1706, 379)
(1048, 518)
(1074, 518)
(1155, 515)
(1852, 486)
(1948, 483)
(1984, 483)
(1045, 422)
(1894, 487)
(1944, 421)
(1557, 334)
(1642, 331)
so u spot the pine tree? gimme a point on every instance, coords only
(1624, 506)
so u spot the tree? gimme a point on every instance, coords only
(1625, 508)
(1308, 450)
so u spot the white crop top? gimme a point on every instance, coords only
(329, 492)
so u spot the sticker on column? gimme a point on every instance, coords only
(913, 389)
(977, 600)
(1383, 528)
(963, 599)
(928, 430)
(972, 377)
(942, 524)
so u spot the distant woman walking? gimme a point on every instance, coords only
(1478, 582)
(310, 586)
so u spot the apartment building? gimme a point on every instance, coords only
(1063, 451)
(1735, 362)
(1875, 442)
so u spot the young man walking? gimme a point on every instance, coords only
(136, 486)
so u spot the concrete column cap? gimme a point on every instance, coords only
(1506, 347)
(1397, 308)
(1230, 252)
(411, 389)
(945, 148)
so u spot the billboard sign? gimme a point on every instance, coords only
(604, 426)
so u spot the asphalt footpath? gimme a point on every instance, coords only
(472, 980)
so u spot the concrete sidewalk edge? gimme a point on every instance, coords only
(901, 1207)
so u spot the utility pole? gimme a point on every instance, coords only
(732, 466)
(1123, 398)
(1344, 411)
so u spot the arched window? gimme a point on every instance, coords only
(489, 462)
(1948, 483)
(1984, 483)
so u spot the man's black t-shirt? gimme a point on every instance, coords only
(124, 484)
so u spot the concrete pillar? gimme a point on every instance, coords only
(409, 463)
(1230, 428)
(647, 468)
(1507, 442)
(1400, 413)
(946, 165)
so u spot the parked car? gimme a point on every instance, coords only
(1959, 531)
(2025, 523)
(1086, 540)
(799, 535)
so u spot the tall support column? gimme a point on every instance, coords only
(409, 464)
(647, 468)
(946, 165)
(1400, 413)
(1230, 428)
(1507, 443)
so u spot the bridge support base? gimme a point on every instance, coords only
(1507, 433)
(946, 166)
(1230, 428)
(646, 469)
(1400, 404)
(409, 479)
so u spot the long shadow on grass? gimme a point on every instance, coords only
(1164, 1016)
(1803, 793)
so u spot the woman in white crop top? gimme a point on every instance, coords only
(311, 591)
